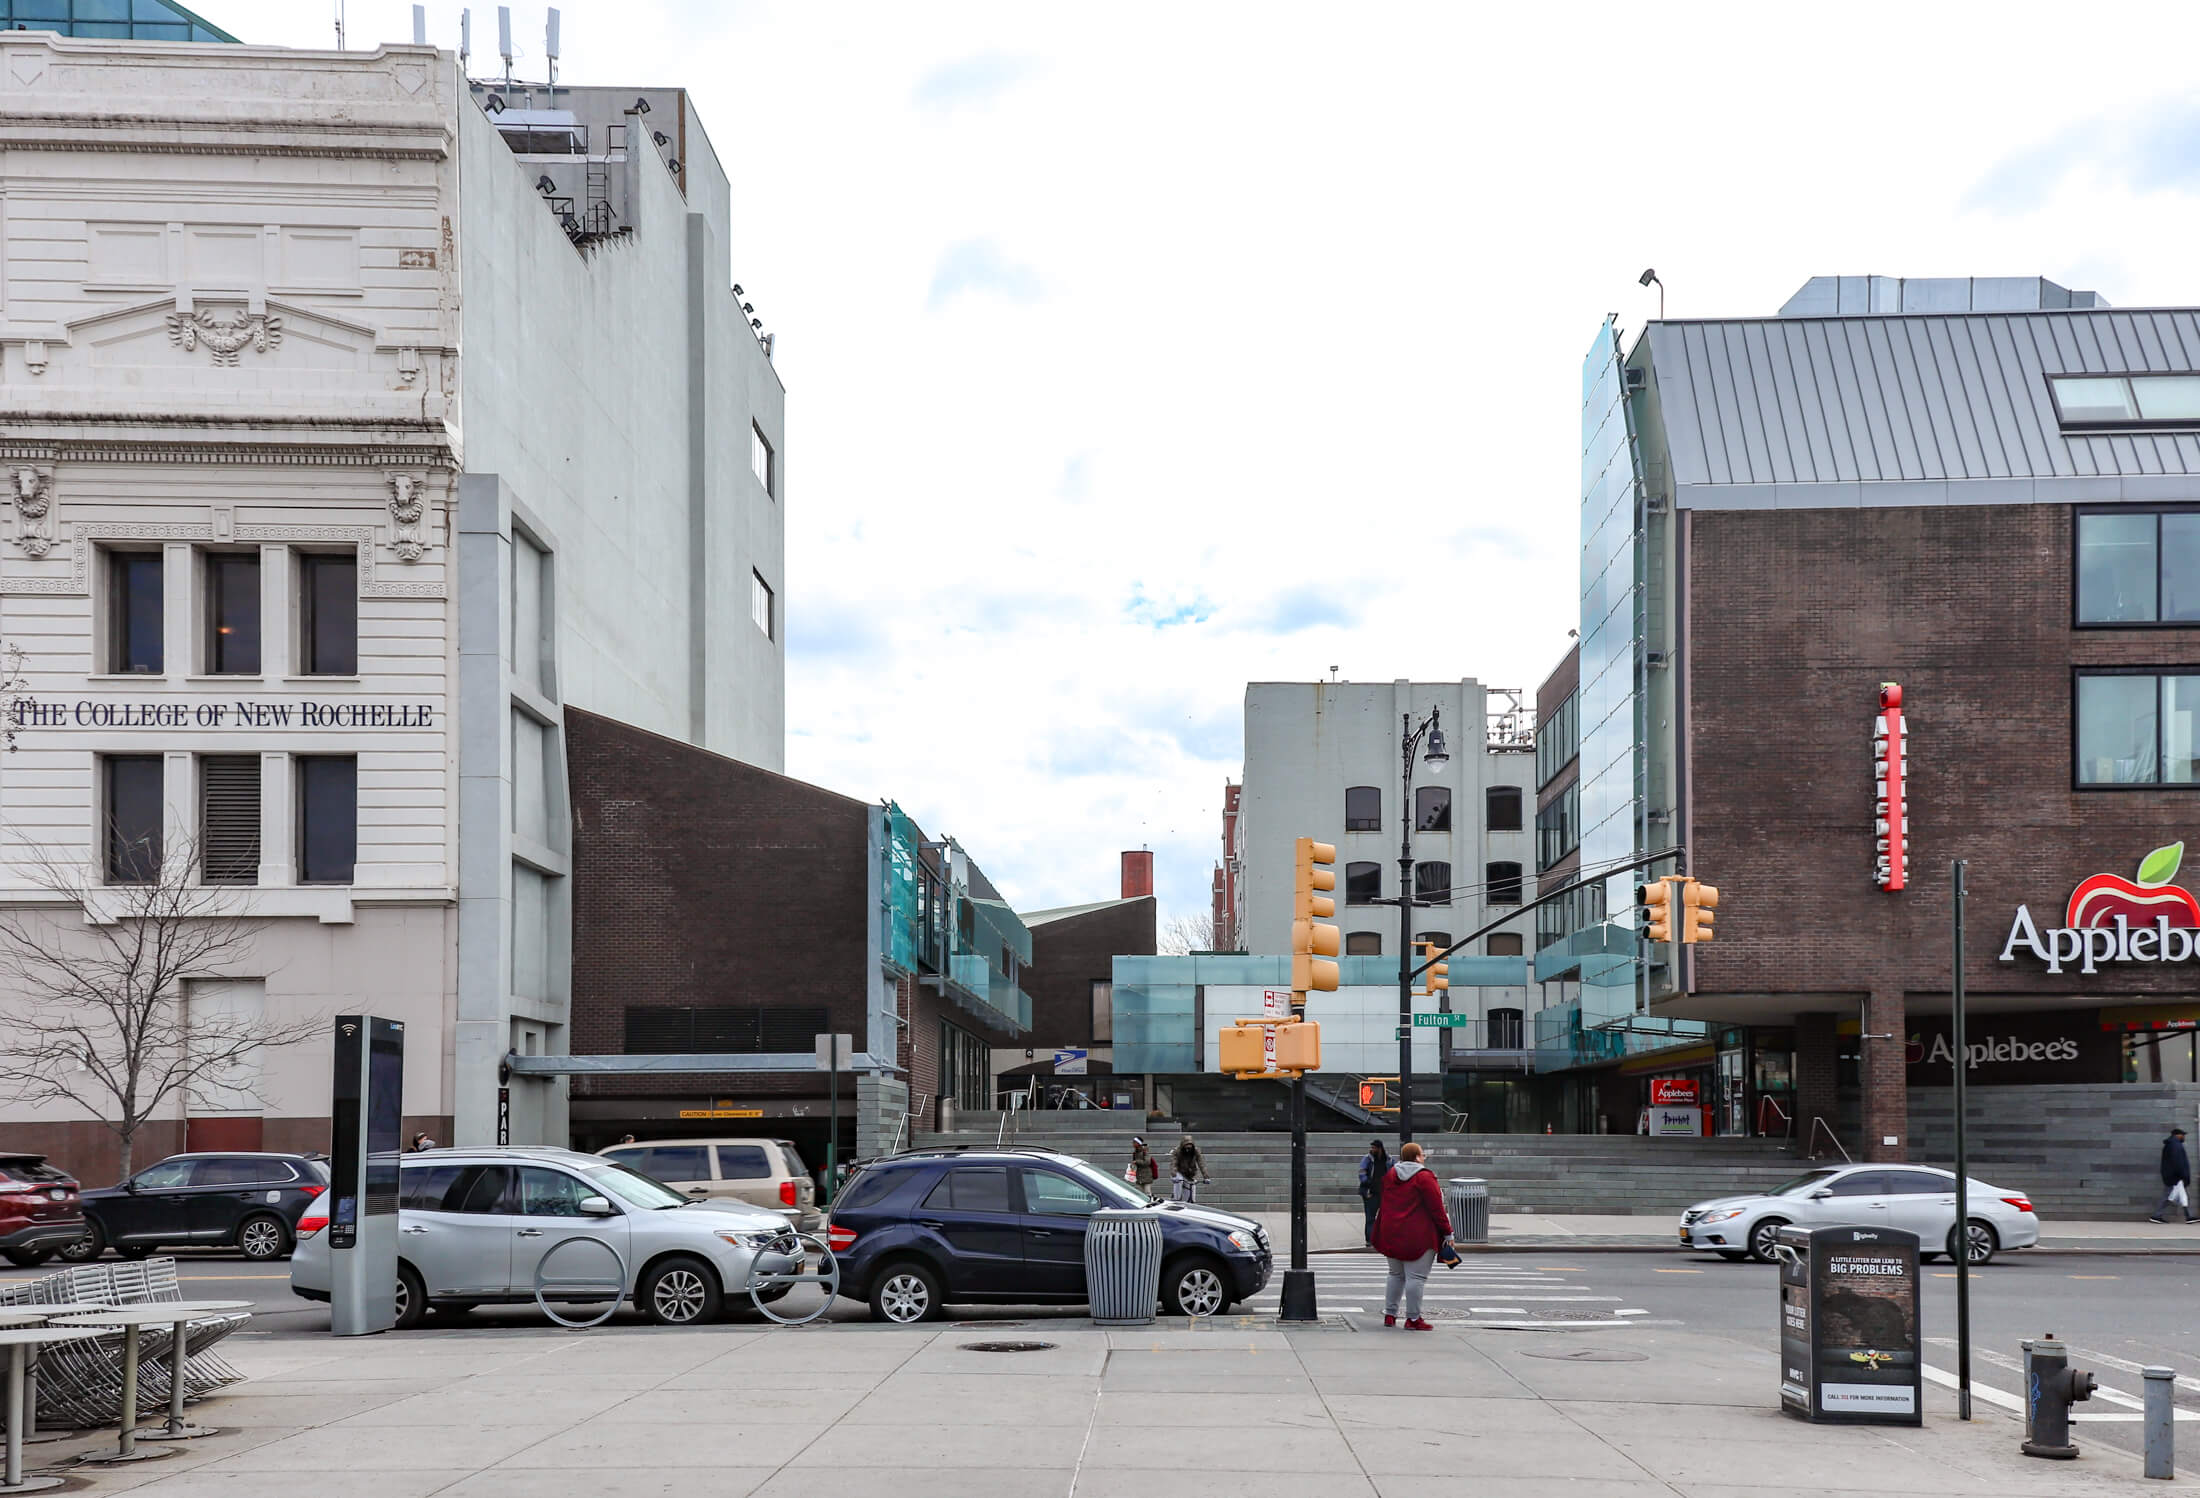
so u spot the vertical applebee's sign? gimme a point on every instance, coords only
(2114, 919)
(1890, 790)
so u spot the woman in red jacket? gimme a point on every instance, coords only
(1408, 1229)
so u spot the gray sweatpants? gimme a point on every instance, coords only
(1411, 1277)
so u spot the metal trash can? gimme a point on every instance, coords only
(1468, 1201)
(1123, 1265)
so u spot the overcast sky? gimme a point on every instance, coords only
(1134, 352)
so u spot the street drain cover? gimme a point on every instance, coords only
(1585, 1355)
(1006, 1346)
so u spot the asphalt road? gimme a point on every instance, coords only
(2118, 1312)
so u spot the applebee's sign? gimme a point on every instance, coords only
(2114, 919)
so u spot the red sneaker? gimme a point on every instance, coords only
(1416, 1324)
(1390, 1321)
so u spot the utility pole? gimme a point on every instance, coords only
(1963, 1169)
(1436, 757)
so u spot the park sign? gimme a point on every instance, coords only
(2113, 919)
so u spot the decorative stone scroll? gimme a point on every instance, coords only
(31, 490)
(225, 337)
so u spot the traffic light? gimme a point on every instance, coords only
(1656, 900)
(1435, 980)
(1299, 1047)
(1311, 941)
(1697, 903)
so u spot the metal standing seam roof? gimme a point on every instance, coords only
(1910, 398)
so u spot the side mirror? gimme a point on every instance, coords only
(1821, 1193)
(597, 1206)
(130, 1186)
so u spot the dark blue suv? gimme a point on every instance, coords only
(918, 1231)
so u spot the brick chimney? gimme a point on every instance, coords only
(1137, 873)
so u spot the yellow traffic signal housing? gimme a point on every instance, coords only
(1299, 1047)
(1697, 903)
(1242, 1050)
(1435, 979)
(1656, 900)
(1312, 943)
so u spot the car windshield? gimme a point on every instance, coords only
(1801, 1183)
(1111, 1190)
(632, 1187)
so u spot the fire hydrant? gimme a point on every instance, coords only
(2052, 1386)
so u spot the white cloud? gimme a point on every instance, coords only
(1262, 354)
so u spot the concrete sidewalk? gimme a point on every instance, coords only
(1340, 1232)
(1236, 1409)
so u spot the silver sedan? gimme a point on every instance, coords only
(1918, 1198)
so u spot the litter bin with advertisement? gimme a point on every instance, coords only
(1849, 1335)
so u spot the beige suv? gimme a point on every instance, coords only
(766, 1172)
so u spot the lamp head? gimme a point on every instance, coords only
(1646, 278)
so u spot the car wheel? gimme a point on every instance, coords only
(26, 1258)
(262, 1237)
(86, 1248)
(1982, 1242)
(1760, 1238)
(412, 1297)
(135, 1250)
(679, 1292)
(905, 1294)
(1194, 1287)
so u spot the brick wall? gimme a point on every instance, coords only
(1795, 618)
(1068, 954)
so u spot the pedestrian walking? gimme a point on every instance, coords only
(1189, 1169)
(1373, 1166)
(1409, 1227)
(2176, 1179)
(1144, 1169)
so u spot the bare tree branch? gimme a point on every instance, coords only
(106, 1027)
(1180, 934)
(14, 689)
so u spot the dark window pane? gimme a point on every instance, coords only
(422, 1187)
(1506, 1030)
(328, 607)
(743, 1162)
(133, 818)
(1363, 809)
(1432, 808)
(1057, 1196)
(550, 1193)
(672, 1162)
(868, 1189)
(2116, 568)
(1442, 939)
(2096, 399)
(1363, 883)
(229, 819)
(979, 1188)
(1363, 944)
(2117, 738)
(134, 612)
(1862, 1183)
(2181, 729)
(484, 1193)
(233, 614)
(328, 818)
(1919, 1183)
(1505, 944)
(1432, 881)
(1501, 884)
(1504, 808)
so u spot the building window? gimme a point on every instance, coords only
(1558, 827)
(233, 613)
(229, 819)
(1363, 944)
(1501, 884)
(763, 462)
(2138, 566)
(723, 1029)
(2138, 728)
(1432, 882)
(1502, 812)
(1557, 740)
(1432, 809)
(328, 818)
(134, 612)
(328, 614)
(1103, 1012)
(1441, 939)
(1505, 944)
(760, 605)
(2127, 400)
(1363, 809)
(133, 809)
(1507, 1030)
(1363, 883)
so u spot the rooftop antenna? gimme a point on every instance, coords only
(465, 39)
(339, 25)
(420, 25)
(550, 45)
(504, 40)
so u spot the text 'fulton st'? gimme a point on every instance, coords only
(102, 712)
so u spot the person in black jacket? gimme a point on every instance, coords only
(2176, 1173)
(1373, 1166)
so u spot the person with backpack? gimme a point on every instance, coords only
(1190, 1170)
(1410, 1227)
(1373, 1165)
(1143, 1170)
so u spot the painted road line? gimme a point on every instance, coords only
(1987, 1392)
(1545, 1299)
(1676, 1271)
(2080, 1356)
(1630, 1313)
(1499, 1310)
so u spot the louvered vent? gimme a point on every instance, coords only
(229, 818)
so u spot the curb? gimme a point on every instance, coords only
(2129, 1248)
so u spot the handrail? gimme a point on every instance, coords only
(901, 1129)
(1810, 1146)
(1777, 1112)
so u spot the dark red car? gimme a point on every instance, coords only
(39, 1210)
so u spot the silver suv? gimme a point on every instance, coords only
(473, 1225)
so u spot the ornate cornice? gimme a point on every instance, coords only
(383, 454)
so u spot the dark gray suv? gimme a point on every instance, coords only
(250, 1202)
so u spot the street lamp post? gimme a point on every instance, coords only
(1436, 758)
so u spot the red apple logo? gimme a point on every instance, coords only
(1913, 1051)
(2102, 898)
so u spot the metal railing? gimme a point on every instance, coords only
(1817, 1127)
(922, 1101)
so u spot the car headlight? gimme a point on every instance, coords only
(1727, 1215)
(1244, 1243)
(755, 1238)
